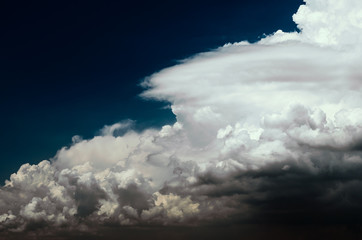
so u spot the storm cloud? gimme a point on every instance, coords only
(266, 133)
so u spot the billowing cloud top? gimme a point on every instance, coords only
(265, 132)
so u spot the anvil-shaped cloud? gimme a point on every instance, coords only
(265, 132)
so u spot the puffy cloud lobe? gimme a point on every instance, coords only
(122, 190)
(331, 22)
(265, 132)
(171, 207)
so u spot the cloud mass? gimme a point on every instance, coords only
(269, 132)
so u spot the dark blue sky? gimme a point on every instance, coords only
(70, 67)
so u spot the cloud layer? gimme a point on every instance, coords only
(269, 132)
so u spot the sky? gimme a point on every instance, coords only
(181, 120)
(70, 68)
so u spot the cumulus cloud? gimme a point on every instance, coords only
(269, 132)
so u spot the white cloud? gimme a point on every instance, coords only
(171, 208)
(332, 22)
(110, 130)
(248, 116)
